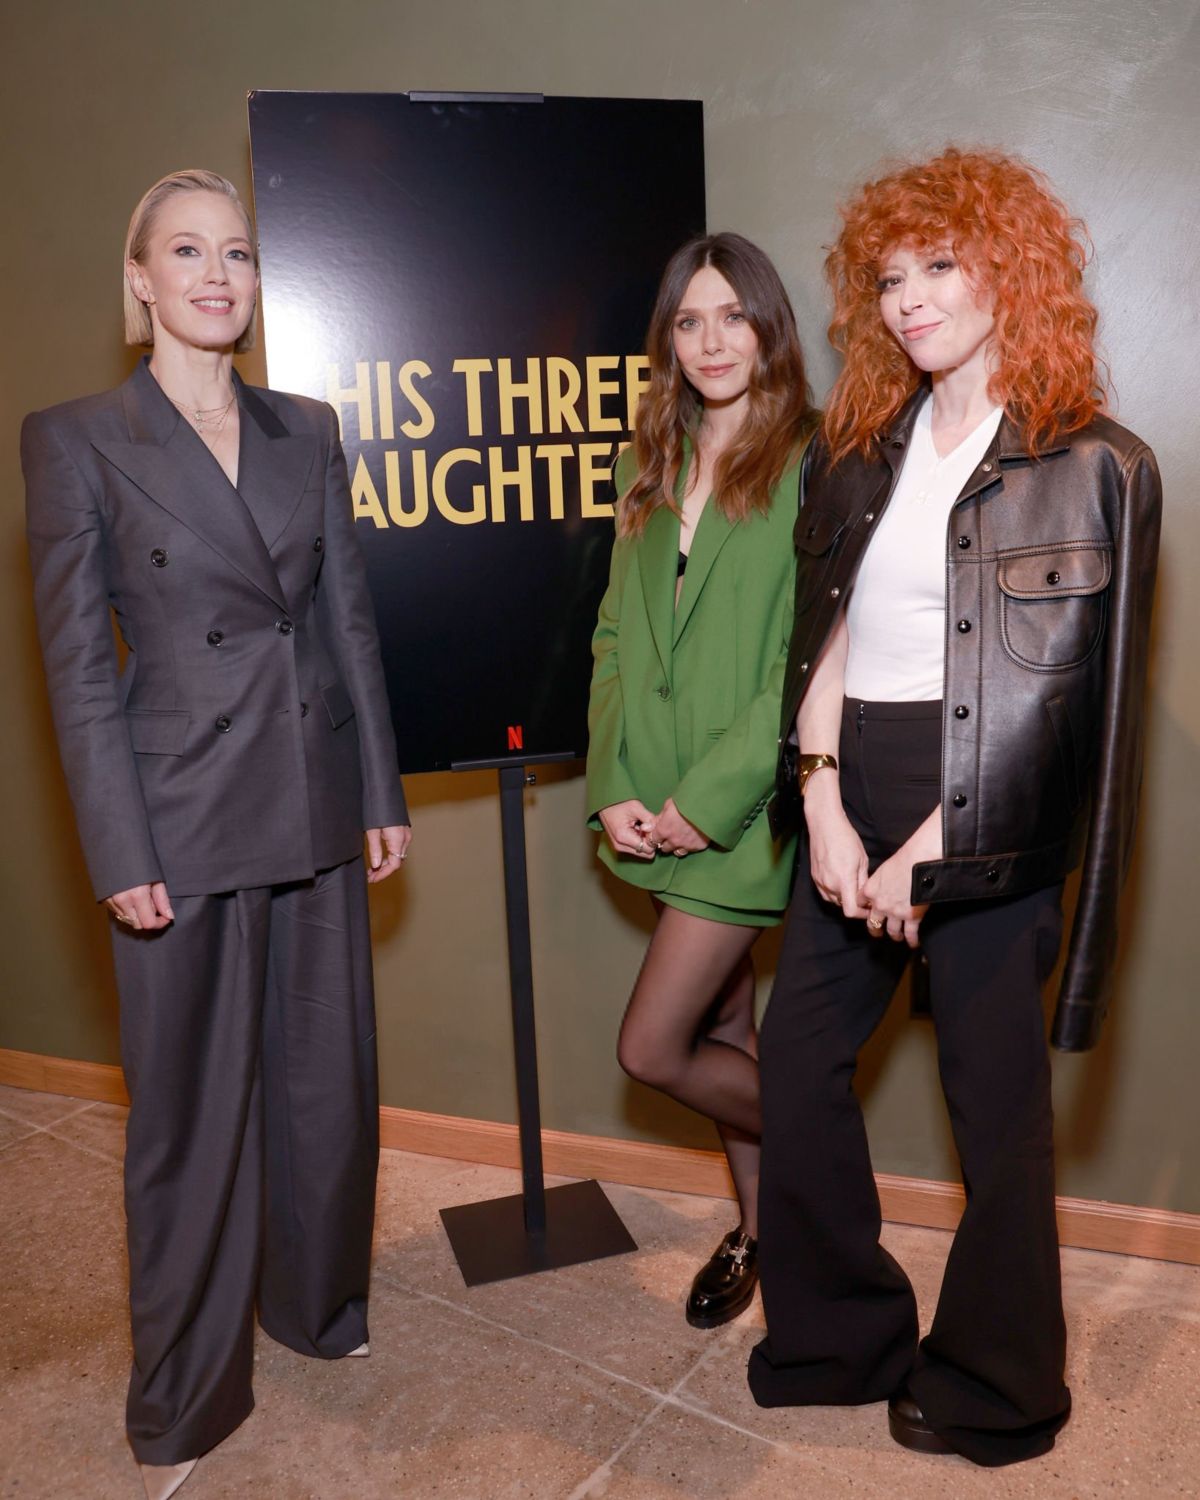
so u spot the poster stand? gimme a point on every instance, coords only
(540, 1228)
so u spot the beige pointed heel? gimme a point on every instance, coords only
(161, 1481)
(363, 1350)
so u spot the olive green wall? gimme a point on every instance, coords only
(801, 97)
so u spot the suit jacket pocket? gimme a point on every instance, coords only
(157, 731)
(338, 703)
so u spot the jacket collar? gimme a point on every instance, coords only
(1009, 445)
(166, 459)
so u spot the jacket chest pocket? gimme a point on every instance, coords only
(1052, 605)
(815, 533)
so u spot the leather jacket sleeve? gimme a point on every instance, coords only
(1087, 979)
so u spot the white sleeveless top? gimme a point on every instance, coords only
(896, 612)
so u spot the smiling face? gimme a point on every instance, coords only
(714, 342)
(932, 310)
(197, 275)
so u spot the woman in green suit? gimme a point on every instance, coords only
(690, 648)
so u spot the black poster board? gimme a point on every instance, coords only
(468, 280)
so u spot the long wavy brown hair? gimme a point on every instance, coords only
(780, 414)
(1016, 241)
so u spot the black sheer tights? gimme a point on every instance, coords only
(689, 1031)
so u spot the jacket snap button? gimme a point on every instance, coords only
(833, 593)
(215, 637)
(962, 711)
(926, 881)
(897, 442)
(304, 710)
(159, 557)
(964, 626)
(1053, 576)
(223, 724)
(959, 800)
(811, 532)
(284, 627)
(964, 541)
(993, 874)
(869, 517)
(987, 468)
(664, 692)
(804, 666)
(318, 543)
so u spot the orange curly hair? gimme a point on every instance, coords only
(1014, 239)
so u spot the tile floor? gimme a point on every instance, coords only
(581, 1384)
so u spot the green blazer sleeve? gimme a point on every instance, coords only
(608, 778)
(726, 790)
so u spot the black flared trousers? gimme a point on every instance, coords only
(248, 1042)
(841, 1315)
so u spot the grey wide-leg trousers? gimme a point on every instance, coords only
(248, 1042)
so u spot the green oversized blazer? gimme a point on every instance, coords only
(685, 701)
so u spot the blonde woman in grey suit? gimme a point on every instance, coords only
(222, 783)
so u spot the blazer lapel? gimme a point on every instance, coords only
(273, 465)
(658, 559)
(713, 530)
(170, 464)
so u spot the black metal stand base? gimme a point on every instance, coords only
(491, 1243)
(536, 1230)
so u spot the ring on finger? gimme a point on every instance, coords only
(875, 924)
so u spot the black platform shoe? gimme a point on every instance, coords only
(907, 1424)
(725, 1284)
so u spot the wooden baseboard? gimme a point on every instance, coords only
(1121, 1228)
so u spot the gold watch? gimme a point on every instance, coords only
(807, 764)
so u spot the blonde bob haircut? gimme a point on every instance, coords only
(138, 327)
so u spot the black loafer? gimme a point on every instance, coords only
(725, 1284)
(907, 1424)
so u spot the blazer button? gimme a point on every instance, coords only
(959, 800)
(964, 542)
(318, 543)
(215, 637)
(1053, 576)
(962, 712)
(159, 557)
(964, 627)
(664, 692)
(284, 627)
(223, 724)
(993, 875)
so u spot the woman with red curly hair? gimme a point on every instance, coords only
(961, 728)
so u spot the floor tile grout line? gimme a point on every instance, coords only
(661, 1398)
(88, 1150)
(526, 1338)
(31, 1131)
(81, 1107)
(670, 1398)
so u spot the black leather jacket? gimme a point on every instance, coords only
(1050, 565)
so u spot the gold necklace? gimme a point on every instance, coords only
(212, 418)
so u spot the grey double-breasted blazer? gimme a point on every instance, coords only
(248, 740)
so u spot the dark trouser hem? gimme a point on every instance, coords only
(327, 1348)
(940, 1391)
(190, 1439)
(818, 1385)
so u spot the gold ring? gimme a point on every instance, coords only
(875, 923)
